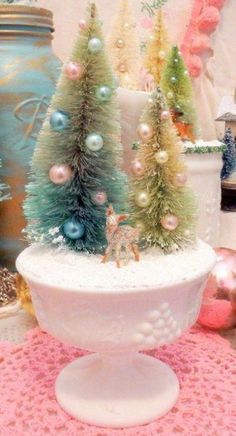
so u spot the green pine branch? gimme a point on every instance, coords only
(150, 7)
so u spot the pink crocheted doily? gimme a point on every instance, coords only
(204, 362)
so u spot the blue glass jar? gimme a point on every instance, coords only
(28, 74)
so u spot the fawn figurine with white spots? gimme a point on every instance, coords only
(124, 237)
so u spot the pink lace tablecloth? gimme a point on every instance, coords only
(204, 362)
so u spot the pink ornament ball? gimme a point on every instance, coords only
(209, 19)
(216, 3)
(165, 115)
(145, 131)
(100, 198)
(195, 66)
(170, 222)
(60, 174)
(200, 44)
(218, 309)
(82, 24)
(137, 168)
(74, 70)
(180, 180)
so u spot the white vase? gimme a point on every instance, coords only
(204, 169)
(116, 386)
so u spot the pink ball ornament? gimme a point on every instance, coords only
(145, 131)
(60, 174)
(74, 70)
(82, 24)
(216, 3)
(180, 180)
(195, 66)
(170, 222)
(165, 115)
(200, 44)
(209, 19)
(218, 309)
(137, 168)
(100, 198)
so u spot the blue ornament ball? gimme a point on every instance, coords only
(59, 121)
(94, 142)
(94, 45)
(103, 93)
(73, 229)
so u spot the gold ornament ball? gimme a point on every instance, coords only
(145, 131)
(170, 95)
(120, 43)
(162, 55)
(143, 199)
(161, 157)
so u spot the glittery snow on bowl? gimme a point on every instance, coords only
(116, 313)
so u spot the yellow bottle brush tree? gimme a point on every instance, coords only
(158, 47)
(124, 48)
(177, 86)
(161, 203)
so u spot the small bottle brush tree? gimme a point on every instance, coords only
(158, 48)
(124, 48)
(161, 203)
(75, 171)
(229, 155)
(177, 87)
(4, 189)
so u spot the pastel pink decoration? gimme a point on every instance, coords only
(145, 131)
(147, 23)
(180, 180)
(137, 167)
(195, 65)
(100, 198)
(170, 222)
(82, 24)
(217, 3)
(74, 70)
(200, 44)
(29, 371)
(209, 19)
(60, 174)
(219, 303)
(205, 17)
(217, 316)
(165, 115)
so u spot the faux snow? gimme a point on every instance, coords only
(86, 272)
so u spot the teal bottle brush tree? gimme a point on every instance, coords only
(162, 204)
(75, 168)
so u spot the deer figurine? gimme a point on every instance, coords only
(125, 237)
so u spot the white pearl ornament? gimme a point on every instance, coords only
(161, 157)
(143, 199)
(145, 131)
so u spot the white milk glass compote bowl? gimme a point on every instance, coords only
(115, 314)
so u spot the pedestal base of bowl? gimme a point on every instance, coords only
(117, 390)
